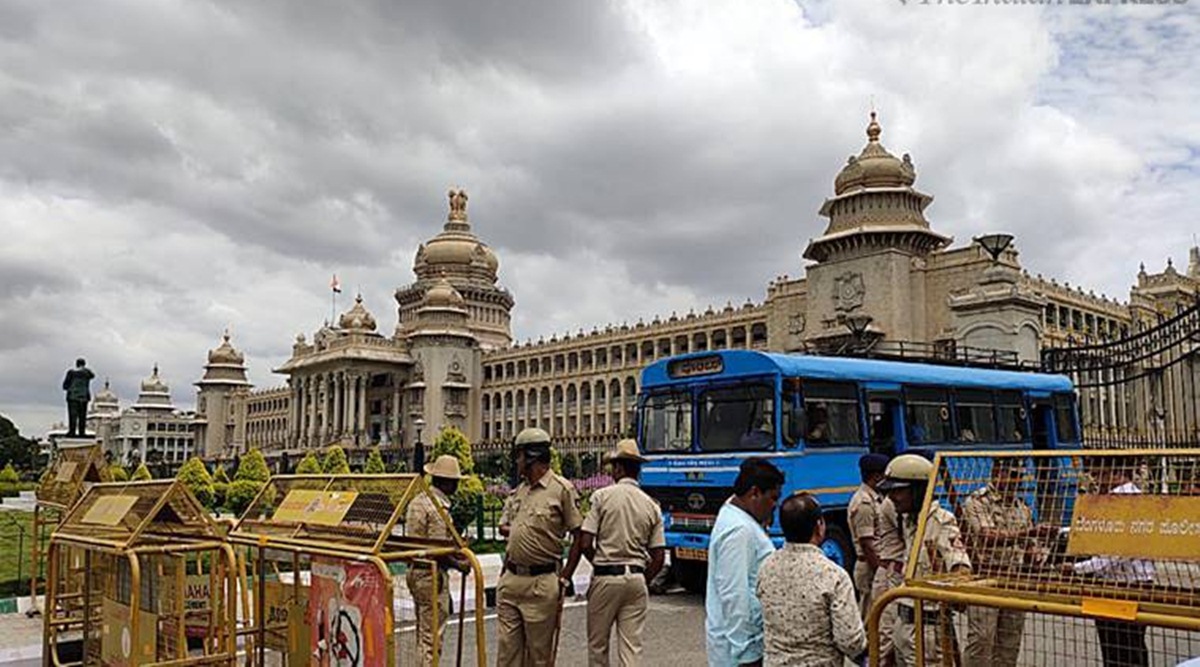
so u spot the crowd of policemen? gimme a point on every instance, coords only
(622, 536)
(997, 533)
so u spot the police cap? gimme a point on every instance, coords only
(872, 462)
(531, 438)
(906, 470)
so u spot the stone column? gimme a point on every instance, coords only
(362, 409)
(352, 402)
(394, 435)
(339, 403)
(310, 409)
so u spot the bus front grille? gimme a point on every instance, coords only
(690, 500)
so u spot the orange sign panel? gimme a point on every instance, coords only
(109, 510)
(1136, 526)
(326, 508)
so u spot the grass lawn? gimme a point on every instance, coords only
(16, 531)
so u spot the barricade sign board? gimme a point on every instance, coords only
(347, 613)
(326, 508)
(1136, 526)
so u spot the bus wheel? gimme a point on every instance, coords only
(838, 547)
(691, 574)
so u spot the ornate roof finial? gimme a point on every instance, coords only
(458, 205)
(873, 128)
(155, 374)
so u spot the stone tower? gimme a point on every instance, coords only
(447, 369)
(221, 403)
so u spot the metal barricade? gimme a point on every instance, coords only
(317, 558)
(138, 574)
(1077, 558)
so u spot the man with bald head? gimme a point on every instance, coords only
(816, 624)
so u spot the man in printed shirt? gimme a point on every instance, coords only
(537, 515)
(1121, 643)
(1000, 532)
(737, 546)
(623, 537)
(810, 618)
(864, 525)
(422, 519)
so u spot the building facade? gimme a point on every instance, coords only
(878, 263)
(151, 430)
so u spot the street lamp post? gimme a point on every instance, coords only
(418, 446)
(994, 244)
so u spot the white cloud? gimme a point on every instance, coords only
(172, 169)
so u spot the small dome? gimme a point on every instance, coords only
(357, 318)
(225, 353)
(153, 384)
(874, 167)
(443, 295)
(106, 396)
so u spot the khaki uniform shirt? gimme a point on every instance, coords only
(864, 516)
(889, 538)
(627, 523)
(422, 518)
(810, 617)
(539, 515)
(986, 510)
(943, 548)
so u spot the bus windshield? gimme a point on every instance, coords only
(737, 418)
(667, 422)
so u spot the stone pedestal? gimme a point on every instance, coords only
(63, 442)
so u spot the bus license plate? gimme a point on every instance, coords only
(688, 553)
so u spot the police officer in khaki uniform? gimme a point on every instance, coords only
(422, 519)
(864, 525)
(889, 546)
(1001, 533)
(540, 512)
(942, 551)
(623, 537)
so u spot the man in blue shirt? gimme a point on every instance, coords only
(736, 549)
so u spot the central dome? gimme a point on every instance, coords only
(874, 167)
(456, 250)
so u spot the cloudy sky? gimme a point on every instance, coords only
(172, 168)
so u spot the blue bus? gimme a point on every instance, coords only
(701, 414)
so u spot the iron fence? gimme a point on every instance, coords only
(16, 563)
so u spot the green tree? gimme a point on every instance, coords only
(309, 465)
(118, 473)
(240, 494)
(335, 462)
(22, 453)
(9, 475)
(195, 477)
(452, 441)
(253, 467)
(374, 464)
(466, 502)
(141, 474)
(556, 461)
(220, 476)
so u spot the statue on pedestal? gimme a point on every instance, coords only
(77, 384)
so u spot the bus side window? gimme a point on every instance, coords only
(927, 415)
(975, 412)
(792, 410)
(832, 411)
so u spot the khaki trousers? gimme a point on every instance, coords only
(993, 636)
(885, 580)
(864, 581)
(621, 600)
(420, 586)
(905, 637)
(526, 611)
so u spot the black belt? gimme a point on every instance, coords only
(909, 615)
(531, 570)
(616, 570)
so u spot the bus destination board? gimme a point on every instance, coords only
(686, 368)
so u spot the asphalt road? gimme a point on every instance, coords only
(674, 635)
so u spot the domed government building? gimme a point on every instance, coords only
(878, 276)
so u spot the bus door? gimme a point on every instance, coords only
(883, 421)
(1050, 502)
(1042, 422)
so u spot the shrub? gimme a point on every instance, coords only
(195, 477)
(335, 462)
(220, 493)
(9, 475)
(141, 474)
(452, 441)
(253, 467)
(309, 465)
(219, 475)
(118, 474)
(556, 461)
(240, 494)
(374, 464)
(465, 502)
